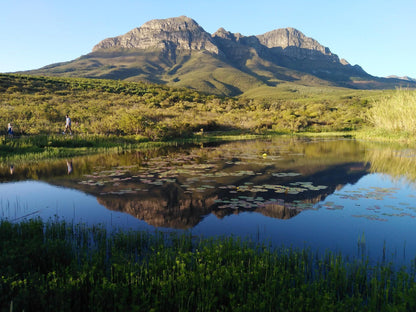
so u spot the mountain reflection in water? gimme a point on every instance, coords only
(336, 194)
(177, 188)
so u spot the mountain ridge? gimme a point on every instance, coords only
(177, 51)
(182, 32)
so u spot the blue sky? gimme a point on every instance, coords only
(378, 35)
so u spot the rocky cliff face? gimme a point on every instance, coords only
(169, 34)
(183, 33)
(290, 37)
(295, 44)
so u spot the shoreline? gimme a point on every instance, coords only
(41, 147)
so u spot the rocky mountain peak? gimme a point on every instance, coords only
(177, 33)
(224, 34)
(290, 37)
(294, 43)
(173, 24)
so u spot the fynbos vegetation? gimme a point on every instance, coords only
(37, 105)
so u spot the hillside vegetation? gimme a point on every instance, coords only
(38, 105)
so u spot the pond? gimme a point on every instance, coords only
(340, 195)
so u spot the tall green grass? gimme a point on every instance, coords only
(57, 266)
(395, 113)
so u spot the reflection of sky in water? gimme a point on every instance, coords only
(382, 209)
(37, 199)
(339, 222)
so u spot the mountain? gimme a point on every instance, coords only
(179, 52)
(407, 78)
(168, 35)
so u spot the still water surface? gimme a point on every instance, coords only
(340, 195)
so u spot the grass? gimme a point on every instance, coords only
(382, 135)
(39, 147)
(37, 105)
(392, 118)
(395, 113)
(106, 108)
(36, 147)
(65, 267)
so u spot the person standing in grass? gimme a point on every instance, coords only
(10, 129)
(67, 124)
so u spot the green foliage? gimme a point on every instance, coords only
(395, 113)
(65, 267)
(42, 146)
(38, 105)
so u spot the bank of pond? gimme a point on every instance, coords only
(277, 224)
(59, 266)
(38, 106)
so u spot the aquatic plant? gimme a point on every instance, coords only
(66, 267)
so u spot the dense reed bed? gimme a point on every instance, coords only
(57, 266)
(395, 114)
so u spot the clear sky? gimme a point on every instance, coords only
(378, 35)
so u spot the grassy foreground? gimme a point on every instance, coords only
(56, 266)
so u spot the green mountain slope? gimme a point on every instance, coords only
(179, 53)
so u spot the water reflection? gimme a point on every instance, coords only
(397, 161)
(323, 192)
(177, 188)
(69, 166)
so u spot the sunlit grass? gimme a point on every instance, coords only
(65, 267)
(37, 105)
(38, 147)
(395, 113)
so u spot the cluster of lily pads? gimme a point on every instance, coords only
(375, 212)
(193, 176)
(237, 181)
(250, 202)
